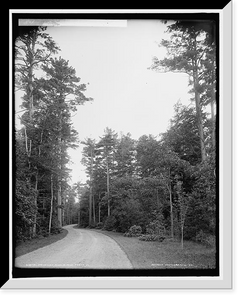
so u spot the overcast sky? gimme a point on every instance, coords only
(127, 96)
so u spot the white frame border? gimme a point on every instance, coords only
(224, 281)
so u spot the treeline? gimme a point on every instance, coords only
(170, 179)
(44, 201)
(136, 182)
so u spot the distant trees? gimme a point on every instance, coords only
(162, 184)
(46, 133)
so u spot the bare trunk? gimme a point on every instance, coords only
(108, 186)
(183, 217)
(182, 236)
(78, 218)
(30, 75)
(90, 205)
(94, 209)
(171, 208)
(199, 116)
(212, 112)
(36, 206)
(197, 101)
(171, 214)
(59, 201)
(59, 177)
(91, 187)
(99, 212)
(213, 124)
(51, 210)
(27, 146)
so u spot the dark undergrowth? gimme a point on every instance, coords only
(38, 242)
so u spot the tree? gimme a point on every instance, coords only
(182, 136)
(183, 200)
(186, 53)
(31, 50)
(25, 209)
(88, 161)
(61, 81)
(201, 215)
(169, 166)
(125, 156)
(147, 151)
(106, 150)
(47, 130)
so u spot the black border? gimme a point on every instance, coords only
(186, 4)
(32, 273)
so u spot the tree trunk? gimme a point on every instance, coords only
(94, 209)
(91, 187)
(108, 186)
(197, 100)
(171, 213)
(212, 111)
(36, 206)
(90, 205)
(30, 75)
(59, 177)
(171, 207)
(59, 201)
(51, 209)
(199, 116)
(182, 236)
(99, 212)
(213, 124)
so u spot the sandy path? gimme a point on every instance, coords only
(81, 248)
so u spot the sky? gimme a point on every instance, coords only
(128, 97)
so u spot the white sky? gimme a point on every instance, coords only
(127, 96)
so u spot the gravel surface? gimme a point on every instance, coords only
(82, 249)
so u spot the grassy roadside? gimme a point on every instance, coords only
(39, 242)
(168, 254)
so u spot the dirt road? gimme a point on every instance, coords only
(81, 248)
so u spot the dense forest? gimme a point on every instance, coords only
(165, 182)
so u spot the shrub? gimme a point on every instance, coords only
(110, 223)
(154, 232)
(155, 228)
(133, 231)
(151, 237)
(99, 225)
(206, 239)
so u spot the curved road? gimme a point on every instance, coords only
(81, 248)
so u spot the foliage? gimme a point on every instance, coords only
(163, 187)
(133, 231)
(24, 209)
(182, 137)
(206, 239)
(46, 134)
(190, 50)
(155, 227)
(160, 186)
(99, 225)
(151, 237)
(154, 232)
(110, 223)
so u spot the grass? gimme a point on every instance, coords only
(38, 242)
(166, 254)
